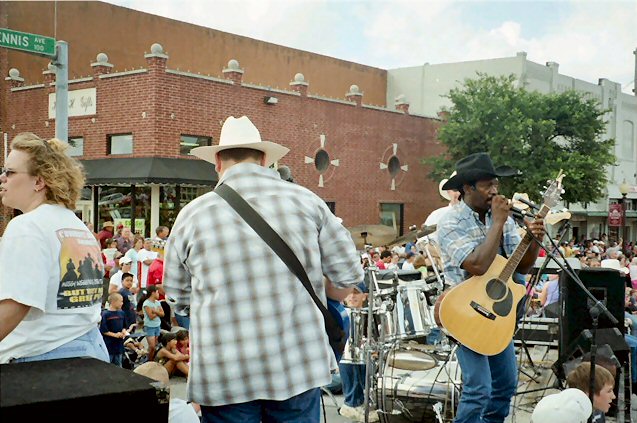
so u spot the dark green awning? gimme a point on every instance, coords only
(149, 170)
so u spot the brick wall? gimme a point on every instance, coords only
(158, 106)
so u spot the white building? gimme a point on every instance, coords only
(423, 87)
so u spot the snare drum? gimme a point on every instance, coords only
(413, 317)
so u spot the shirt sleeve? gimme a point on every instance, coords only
(176, 277)
(25, 266)
(452, 238)
(339, 259)
(511, 236)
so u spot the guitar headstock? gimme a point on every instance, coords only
(553, 192)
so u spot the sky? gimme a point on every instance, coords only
(590, 39)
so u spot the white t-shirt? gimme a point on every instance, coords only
(116, 279)
(143, 255)
(62, 282)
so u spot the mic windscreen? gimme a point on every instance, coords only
(285, 173)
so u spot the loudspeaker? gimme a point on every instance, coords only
(607, 286)
(78, 390)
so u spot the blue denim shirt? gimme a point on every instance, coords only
(460, 231)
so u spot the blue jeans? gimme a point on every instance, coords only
(302, 408)
(633, 321)
(91, 344)
(353, 380)
(183, 321)
(116, 359)
(489, 382)
(632, 343)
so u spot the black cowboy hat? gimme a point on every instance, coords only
(476, 167)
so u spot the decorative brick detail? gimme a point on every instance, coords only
(49, 75)
(233, 72)
(355, 95)
(157, 59)
(299, 84)
(402, 104)
(14, 78)
(443, 115)
(101, 65)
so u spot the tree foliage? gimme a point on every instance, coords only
(539, 134)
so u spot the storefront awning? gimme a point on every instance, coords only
(149, 170)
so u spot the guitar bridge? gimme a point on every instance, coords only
(483, 311)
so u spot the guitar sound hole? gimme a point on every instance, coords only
(496, 289)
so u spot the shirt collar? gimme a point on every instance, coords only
(468, 211)
(241, 170)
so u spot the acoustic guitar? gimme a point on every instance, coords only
(480, 312)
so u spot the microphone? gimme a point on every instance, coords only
(521, 214)
(520, 198)
(285, 173)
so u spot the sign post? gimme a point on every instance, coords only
(61, 62)
(58, 52)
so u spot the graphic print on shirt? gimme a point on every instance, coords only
(81, 268)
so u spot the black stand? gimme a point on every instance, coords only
(594, 312)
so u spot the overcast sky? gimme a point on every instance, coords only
(589, 39)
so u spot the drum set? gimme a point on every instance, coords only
(412, 374)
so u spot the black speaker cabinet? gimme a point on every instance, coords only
(607, 286)
(77, 390)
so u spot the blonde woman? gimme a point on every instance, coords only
(50, 263)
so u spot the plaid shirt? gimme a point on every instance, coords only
(460, 231)
(255, 331)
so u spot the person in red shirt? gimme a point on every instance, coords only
(156, 275)
(105, 233)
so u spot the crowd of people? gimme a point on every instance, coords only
(242, 328)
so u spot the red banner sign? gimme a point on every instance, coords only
(615, 215)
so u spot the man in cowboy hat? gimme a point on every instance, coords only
(470, 235)
(258, 341)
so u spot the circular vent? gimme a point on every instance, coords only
(393, 166)
(321, 161)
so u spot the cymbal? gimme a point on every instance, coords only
(375, 235)
(413, 236)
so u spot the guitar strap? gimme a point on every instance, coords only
(335, 333)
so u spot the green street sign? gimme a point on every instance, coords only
(31, 43)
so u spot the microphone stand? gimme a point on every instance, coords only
(595, 311)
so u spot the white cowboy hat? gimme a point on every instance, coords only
(443, 193)
(241, 133)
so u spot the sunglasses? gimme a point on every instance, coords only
(9, 172)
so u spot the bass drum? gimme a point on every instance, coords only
(417, 385)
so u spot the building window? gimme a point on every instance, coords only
(391, 214)
(120, 144)
(188, 142)
(76, 147)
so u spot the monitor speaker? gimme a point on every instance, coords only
(78, 390)
(607, 286)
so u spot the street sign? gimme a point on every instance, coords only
(31, 43)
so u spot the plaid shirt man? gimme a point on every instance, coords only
(255, 331)
(460, 231)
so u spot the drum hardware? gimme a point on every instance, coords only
(385, 336)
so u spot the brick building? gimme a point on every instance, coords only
(133, 130)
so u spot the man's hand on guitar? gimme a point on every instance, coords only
(537, 228)
(500, 208)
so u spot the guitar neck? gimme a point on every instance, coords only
(520, 250)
